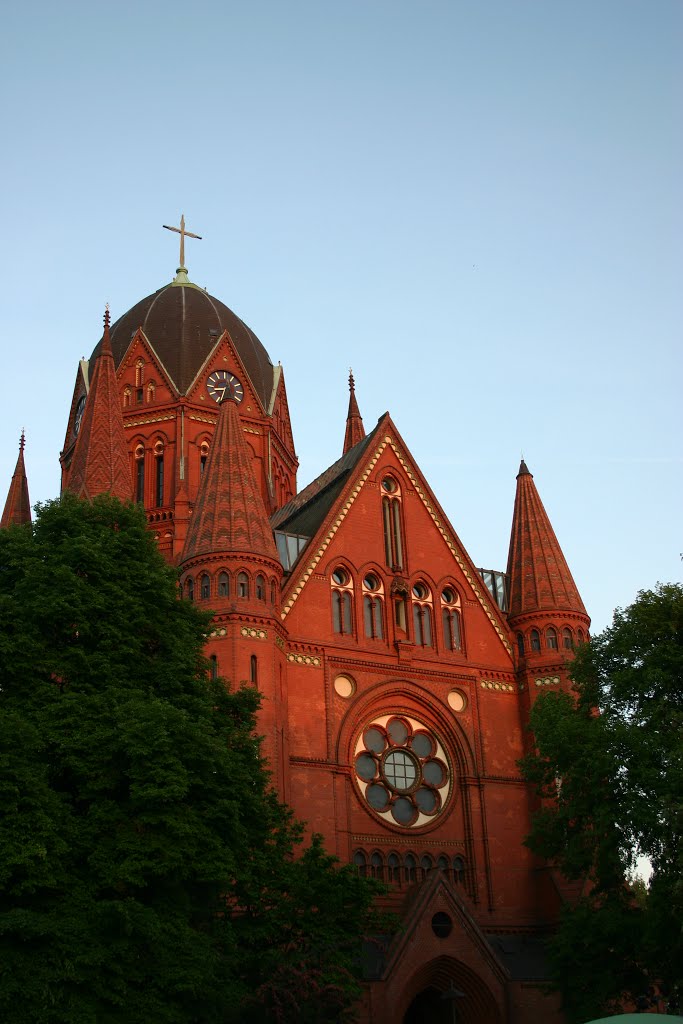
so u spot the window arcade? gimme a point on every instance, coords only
(451, 620)
(342, 601)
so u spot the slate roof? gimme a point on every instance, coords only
(524, 955)
(183, 324)
(305, 513)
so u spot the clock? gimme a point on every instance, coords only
(222, 385)
(79, 415)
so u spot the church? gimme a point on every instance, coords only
(396, 676)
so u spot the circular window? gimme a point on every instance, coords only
(442, 925)
(340, 576)
(448, 596)
(371, 582)
(420, 591)
(402, 771)
(389, 485)
(457, 700)
(344, 686)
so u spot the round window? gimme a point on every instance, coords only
(344, 686)
(420, 592)
(371, 582)
(448, 596)
(402, 771)
(340, 576)
(389, 485)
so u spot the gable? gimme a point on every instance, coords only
(342, 513)
(224, 356)
(81, 386)
(142, 367)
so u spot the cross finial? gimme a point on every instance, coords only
(183, 235)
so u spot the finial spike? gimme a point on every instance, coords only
(22, 439)
(352, 383)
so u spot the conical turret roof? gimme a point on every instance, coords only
(17, 506)
(229, 514)
(100, 461)
(539, 576)
(355, 431)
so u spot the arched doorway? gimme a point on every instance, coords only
(446, 991)
(429, 1008)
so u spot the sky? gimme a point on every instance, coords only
(475, 204)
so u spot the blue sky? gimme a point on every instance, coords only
(476, 205)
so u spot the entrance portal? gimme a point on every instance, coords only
(429, 1008)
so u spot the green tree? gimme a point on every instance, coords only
(609, 767)
(147, 873)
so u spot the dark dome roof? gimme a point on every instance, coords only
(183, 324)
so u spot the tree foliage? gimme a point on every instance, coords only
(147, 873)
(609, 767)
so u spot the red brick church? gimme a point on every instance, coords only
(396, 675)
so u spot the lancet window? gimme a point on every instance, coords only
(391, 520)
(422, 615)
(342, 601)
(450, 618)
(373, 606)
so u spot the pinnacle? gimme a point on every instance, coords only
(18, 506)
(355, 431)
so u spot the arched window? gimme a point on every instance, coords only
(520, 643)
(223, 584)
(426, 863)
(459, 870)
(422, 615)
(551, 638)
(253, 670)
(140, 473)
(151, 389)
(203, 456)
(579, 636)
(535, 640)
(189, 587)
(159, 473)
(373, 607)
(410, 868)
(361, 863)
(214, 667)
(567, 638)
(342, 601)
(450, 616)
(205, 587)
(391, 519)
(127, 393)
(393, 868)
(242, 585)
(442, 864)
(401, 613)
(260, 588)
(273, 592)
(377, 866)
(139, 373)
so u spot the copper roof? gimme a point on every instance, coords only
(183, 324)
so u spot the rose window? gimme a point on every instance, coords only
(402, 771)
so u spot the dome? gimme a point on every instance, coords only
(183, 323)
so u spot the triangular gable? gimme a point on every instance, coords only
(81, 387)
(344, 487)
(139, 344)
(435, 893)
(220, 358)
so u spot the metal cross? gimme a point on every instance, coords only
(183, 235)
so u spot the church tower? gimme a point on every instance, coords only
(230, 563)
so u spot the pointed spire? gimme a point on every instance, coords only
(100, 461)
(539, 576)
(355, 431)
(18, 506)
(229, 515)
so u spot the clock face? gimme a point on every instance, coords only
(223, 385)
(79, 415)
